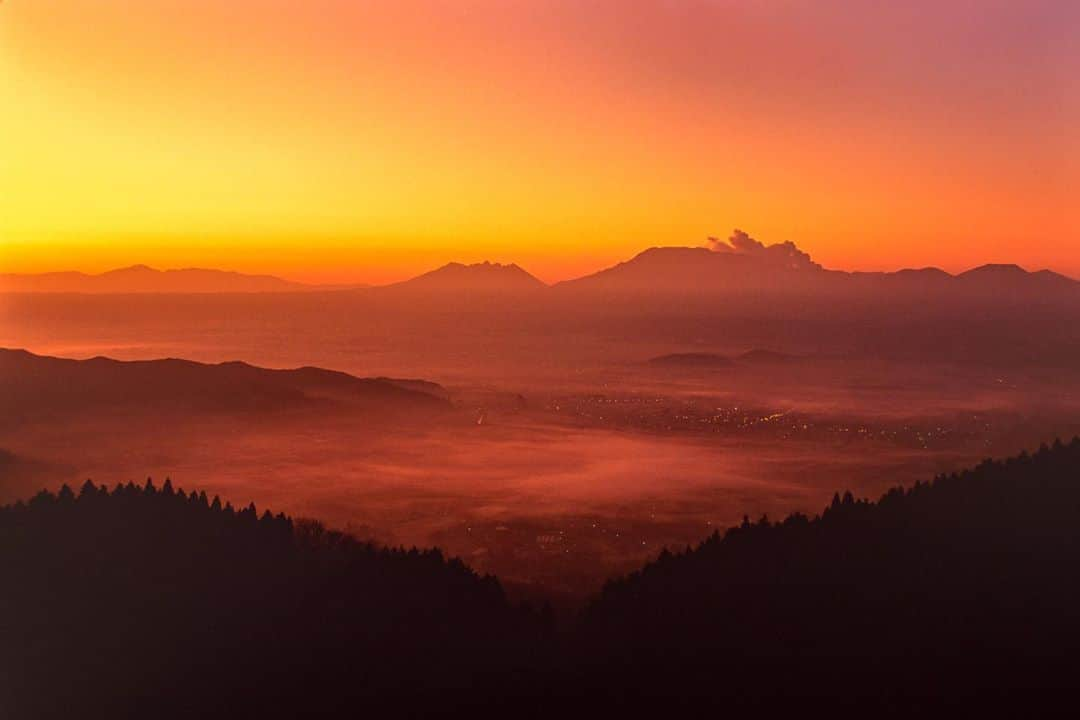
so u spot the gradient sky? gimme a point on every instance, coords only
(360, 140)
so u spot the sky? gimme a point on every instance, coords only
(354, 140)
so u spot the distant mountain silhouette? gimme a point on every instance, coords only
(740, 265)
(1015, 276)
(38, 385)
(144, 279)
(478, 279)
(688, 271)
(785, 270)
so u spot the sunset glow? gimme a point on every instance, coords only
(336, 140)
(553, 358)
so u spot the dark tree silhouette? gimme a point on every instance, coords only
(152, 601)
(963, 588)
(147, 602)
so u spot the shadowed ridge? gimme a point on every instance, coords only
(958, 591)
(478, 278)
(137, 269)
(146, 279)
(958, 588)
(697, 271)
(1010, 272)
(995, 269)
(929, 271)
(40, 385)
(745, 266)
(1012, 280)
(152, 594)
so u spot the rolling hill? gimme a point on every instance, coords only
(35, 385)
(144, 279)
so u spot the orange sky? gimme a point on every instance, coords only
(359, 140)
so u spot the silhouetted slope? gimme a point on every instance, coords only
(702, 272)
(144, 279)
(34, 384)
(693, 271)
(962, 592)
(963, 587)
(479, 278)
(150, 602)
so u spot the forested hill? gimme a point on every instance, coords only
(149, 601)
(968, 584)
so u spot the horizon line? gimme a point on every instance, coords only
(359, 283)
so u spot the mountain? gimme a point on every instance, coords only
(144, 279)
(1013, 277)
(693, 271)
(704, 272)
(34, 385)
(744, 266)
(478, 279)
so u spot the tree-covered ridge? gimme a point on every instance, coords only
(966, 581)
(139, 596)
(154, 602)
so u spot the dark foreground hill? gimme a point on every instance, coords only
(962, 592)
(145, 602)
(964, 588)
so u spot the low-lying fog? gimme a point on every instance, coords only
(559, 465)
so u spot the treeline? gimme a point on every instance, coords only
(151, 601)
(154, 602)
(963, 587)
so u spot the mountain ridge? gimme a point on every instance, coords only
(482, 277)
(145, 279)
(658, 269)
(700, 270)
(38, 384)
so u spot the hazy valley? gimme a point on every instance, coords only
(555, 440)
